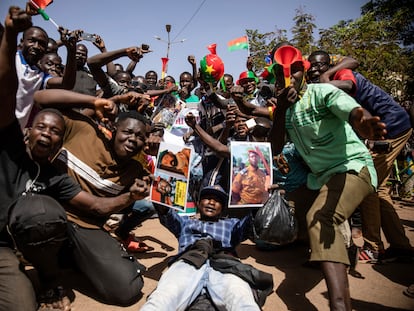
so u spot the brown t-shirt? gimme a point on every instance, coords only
(87, 156)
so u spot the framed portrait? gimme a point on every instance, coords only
(170, 186)
(251, 173)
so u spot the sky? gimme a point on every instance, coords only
(126, 23)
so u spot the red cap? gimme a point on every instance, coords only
(247, 75)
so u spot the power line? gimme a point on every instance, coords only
(189, 21)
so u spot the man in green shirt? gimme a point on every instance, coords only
(321, 121)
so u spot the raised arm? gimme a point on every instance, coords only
(191, 59)
(345, 63)
(277, 134)
(214, 144)
(96, 62)
(365, 125)
(63, 99)
(68, 80)
(16, 21)
(246, 107)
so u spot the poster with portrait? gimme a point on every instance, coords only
(170, 185)
(251, 174)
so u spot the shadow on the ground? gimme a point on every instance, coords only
(359, 305)
(397, 272)
(408, 223)
(299, 279)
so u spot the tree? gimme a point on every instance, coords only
(302, 32)
(400, 12)
(261, 44)
(368, 39)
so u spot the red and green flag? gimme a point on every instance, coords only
(40, 6)
(238, 44)
(41, 3)
(211, 66)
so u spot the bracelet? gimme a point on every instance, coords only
(271, 111)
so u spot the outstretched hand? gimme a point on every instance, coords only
(105, 108)
(99, 42)
(69, 38)
(134, 53)
(367, 126)
(18, 20)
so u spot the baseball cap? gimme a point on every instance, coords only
(247, 75)
(217, 191)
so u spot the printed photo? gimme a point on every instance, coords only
(170, 186)
(251, 173)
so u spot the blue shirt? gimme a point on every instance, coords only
(229, 231)
(381, 104)
(298, 171)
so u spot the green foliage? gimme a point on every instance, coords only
(261, 44)
(400, 12)
(381, 39)
(303, 31)
(381, 57)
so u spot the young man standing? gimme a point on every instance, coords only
(320, 120)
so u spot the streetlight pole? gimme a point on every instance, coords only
(168, 28)
(169, 43)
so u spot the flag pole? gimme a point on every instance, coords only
(248, 46)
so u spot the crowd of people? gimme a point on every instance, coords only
(80, 143)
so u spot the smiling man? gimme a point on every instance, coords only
(196, 270)
(29, 182)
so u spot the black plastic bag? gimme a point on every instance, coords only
(276, 222)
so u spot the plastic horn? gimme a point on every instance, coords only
(164, 66)
(286, 56)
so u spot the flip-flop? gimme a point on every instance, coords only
(133, 245)
(138, 247)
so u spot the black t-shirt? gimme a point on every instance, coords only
(85, 83)
(18, 171)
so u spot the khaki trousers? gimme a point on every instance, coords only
(336, 201)
(377, 210)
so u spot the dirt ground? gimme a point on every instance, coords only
(295, 287)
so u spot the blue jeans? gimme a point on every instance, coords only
(180, 285)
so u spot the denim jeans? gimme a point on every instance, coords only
(180, 285)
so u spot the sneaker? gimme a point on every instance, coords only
(54, 299)
(367, 255)
(393, 254)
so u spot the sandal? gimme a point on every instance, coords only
(135, 246)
